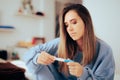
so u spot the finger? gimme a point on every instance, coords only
(71, 63)
(76, 70)
(72, 72)
(50, 57)
(45, 61)
(49, 60)
(71, 67)
(45, 58)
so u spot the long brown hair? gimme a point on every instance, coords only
(68, 47)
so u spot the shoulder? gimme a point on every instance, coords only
(104, 48)
(103, 45)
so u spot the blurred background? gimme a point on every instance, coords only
(25, 23)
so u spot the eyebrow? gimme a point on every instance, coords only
(70, 20)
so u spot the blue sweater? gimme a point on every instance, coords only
(101, 68)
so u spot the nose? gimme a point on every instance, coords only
(70, 28)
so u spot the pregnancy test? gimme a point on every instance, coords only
(63, 60)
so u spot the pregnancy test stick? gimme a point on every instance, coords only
(63, 60)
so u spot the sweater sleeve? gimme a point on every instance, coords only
(103, 68)
(31, 55)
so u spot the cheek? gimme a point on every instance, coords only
(80, 31)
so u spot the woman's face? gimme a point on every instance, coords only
(74, 25)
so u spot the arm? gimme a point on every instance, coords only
(32, 55)
(104, 67)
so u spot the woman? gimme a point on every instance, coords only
(91, 57)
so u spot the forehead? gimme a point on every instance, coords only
(72, 14)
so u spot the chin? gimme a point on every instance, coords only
(74, 38)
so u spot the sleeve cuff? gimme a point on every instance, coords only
(35, 59)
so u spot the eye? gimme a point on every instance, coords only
(74, 22)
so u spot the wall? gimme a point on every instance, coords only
(26, 27)
(105, 15)
(106, 19)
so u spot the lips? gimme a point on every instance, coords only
(72, 34)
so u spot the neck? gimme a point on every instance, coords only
(79, 43)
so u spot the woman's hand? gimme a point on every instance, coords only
(75, 68)
(45, 58)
